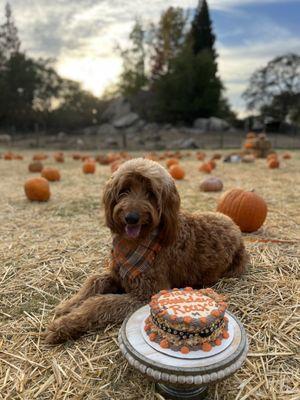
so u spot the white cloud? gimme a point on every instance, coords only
(82, 36)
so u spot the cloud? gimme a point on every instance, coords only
(82, 36)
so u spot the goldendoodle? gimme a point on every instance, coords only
(155, 246)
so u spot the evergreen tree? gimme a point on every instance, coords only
(201, 34)
(9, 40)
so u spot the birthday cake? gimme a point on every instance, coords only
(185, 320)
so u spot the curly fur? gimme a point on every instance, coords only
(197, 250)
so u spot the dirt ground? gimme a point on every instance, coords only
(48, 249)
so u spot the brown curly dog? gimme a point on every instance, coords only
(156, 246)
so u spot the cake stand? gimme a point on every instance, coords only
(179, 378)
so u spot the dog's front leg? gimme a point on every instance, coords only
(94, 313)
(96, 284)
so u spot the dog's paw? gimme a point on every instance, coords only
(54, 335)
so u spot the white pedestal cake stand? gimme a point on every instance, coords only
(178, 378)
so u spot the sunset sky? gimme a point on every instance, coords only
(82, 35)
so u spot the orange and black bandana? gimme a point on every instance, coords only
(132, 262)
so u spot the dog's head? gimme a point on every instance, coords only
(140, 197)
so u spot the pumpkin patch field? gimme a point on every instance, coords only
(49, 247)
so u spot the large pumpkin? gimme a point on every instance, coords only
(37, 189)
(247, 209)
(51, 174)
(176, 171)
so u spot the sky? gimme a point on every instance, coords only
(82, 35)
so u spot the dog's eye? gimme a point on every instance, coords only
(151, 194)
(124, 191)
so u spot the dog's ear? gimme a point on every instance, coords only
(109, 201)
(169, 214)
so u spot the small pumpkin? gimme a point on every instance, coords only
(216, 156)
(286, 156)
(177, 172)
(37, 189)
(102, 159)
(8, 156)
(35, 166)
(205, 167)
(273, 163)
(39, 157)
(272, 156)
(51, 174)
(246, 208)
(200, 155)
(251, 135)
(59, 157)
(212, 184)
(76, 156)
(172, 161)
(89, 167)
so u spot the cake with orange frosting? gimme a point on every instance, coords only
(185, 320)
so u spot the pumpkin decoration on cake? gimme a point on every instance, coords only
(51, 174)
(37, 189)
(212, 184)
(176, 171)
(35, 166)
(246, 208)
(185, 320)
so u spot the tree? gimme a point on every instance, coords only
(190, 89)
(274, 90)
(133, 77)
(166, 40)
(201, 34)
(9, 40)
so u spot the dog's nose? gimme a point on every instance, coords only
(132, 218)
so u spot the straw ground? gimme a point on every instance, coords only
(47, 250)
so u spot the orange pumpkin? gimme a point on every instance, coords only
(251, 135)
(102, 159)
(205, 167)
(39, 157)
(246, 208)
(35, 166)
(273, 163)
(59, 157)
(18, 157)
(200, 155)
(8, 156)
(176, 171)
(286, 156)
(172, 161)
(51, 174)
(249, 144)
(216, 156)
(37, 189)
(76, 156)
(89, 167)
(272, 156)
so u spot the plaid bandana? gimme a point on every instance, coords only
(133, 262)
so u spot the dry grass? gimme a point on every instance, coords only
(47, 250)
